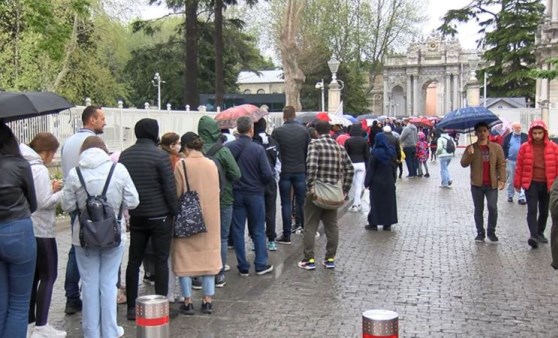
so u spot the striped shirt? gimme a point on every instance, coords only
(328, 162)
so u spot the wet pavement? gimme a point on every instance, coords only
(428, 269)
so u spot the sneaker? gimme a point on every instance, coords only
(445, 186)
(295, 229)
(121, 297)
(271, 246)
(73, 306)
(329, 263)
(542, 239)
(450, 182)
(299, 230)
(533, 242)
(220, 281)
(283, 240)
(371, 227)
(353, 208)
(522, 202)
(244, 273)
(187, 309)
(427, 175)
(510, 199)
(227, 267)
(173, 313)
(266, 269)
(131, 313)
(493, 238)
(120, 331)
(207, 308)
(479, 238)
(149, 279)
(47, 331)
(196, 283)
(317, 234)
(307, 264)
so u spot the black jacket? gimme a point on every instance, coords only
(506, 143)
(356, 145)
(151, 172)
(17, 190)
(293, 140)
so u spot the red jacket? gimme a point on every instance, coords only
(524, 166)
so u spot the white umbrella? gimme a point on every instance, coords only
(336, 119)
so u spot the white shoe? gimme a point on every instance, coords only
(30, 329)
(353, 208)
(317, 234)
(47, 331)
(120, 331)
(227, 267)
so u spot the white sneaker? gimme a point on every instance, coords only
(317, 234)
(47, 331)
(227, 267)
(120, 331)
(353, 208)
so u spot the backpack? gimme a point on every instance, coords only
(222, 177)
(450, 145)
(98, 226)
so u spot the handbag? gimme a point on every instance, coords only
(329, 196)
(189, 220)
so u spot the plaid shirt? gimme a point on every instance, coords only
(328, 162)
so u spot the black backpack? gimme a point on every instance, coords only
(450, 145)
(98, 226)
(222, 177)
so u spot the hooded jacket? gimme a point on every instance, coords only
(44, 218)
(525, 159)
(95, 165)
(210, 134)
(150, 169)
(409, 137)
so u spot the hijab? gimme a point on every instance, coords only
(383, 150)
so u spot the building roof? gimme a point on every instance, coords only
(262, 76)
(516, 102)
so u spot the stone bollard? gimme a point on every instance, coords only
(380, 324)
(152, 317)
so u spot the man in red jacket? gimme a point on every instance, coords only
(537, 167)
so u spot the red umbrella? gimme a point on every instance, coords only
(421, 122)
(323, 116)
(227, 118)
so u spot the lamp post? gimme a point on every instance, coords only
(335, 86)
(157, 83)
(473, 90)
(321, 85)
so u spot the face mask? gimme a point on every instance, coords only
(176, 147)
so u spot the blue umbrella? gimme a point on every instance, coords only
(366, 116)
(463, 120)
(350, 118)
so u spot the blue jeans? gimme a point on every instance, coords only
(510, 171)
(226, 218)
(287, 183)
(18, 253)
(444, 172)
(208, 285)
(252, 207)
(99, 274)
(71, 282)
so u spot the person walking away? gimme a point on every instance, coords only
(511, 144)
(151, 173)
(359, 152)
(445, 159)
(554, 229)
(19, 247)
(380, 180)
(488, 174)
(422, 155)
(200, 254)
(329, 163)
(98, 266)
(39, 153)
(408, 141)
(249, 203)
(293, 140)
(536, 170)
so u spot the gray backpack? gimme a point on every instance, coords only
(98, 227)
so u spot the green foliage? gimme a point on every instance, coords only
(550, 74)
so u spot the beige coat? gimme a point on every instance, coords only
(200, 254)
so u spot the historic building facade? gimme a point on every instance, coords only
(547, 48)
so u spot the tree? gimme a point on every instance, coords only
(549, 74)
(508, 29)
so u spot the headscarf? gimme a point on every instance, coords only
(383, 150)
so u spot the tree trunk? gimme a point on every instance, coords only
(191, 96)
(218, 43)
(294, 77)
(70, 49)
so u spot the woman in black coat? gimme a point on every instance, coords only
(381, 182)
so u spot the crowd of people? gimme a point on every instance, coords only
(236, 180)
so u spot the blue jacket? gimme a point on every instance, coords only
(254, 166)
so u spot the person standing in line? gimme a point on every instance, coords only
(408, 141)
(445, 158)
(19, 247)
(93, 120)
(359, 152)
(39, 153)
(293, 140)
(488, 174)
(329, 163)
(511, 144)
(536, 170)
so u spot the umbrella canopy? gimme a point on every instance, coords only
(339, 120)
(17, 106)
(227, 118)
(306, 118)
(350, 118)
(463, 120)
(367, 117)
(421, 122)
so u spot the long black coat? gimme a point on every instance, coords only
(381, 182)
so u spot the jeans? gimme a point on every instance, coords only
(71, 282)
(226, 218)
(249, 206)
(411, 160)
(18, 253)
(314, 215)
(358, 181)
(159, 229)
(208, 285)
(444, 172)
(479, 194)
(537, 196)
(270, 197)
(99, 274)
(510, 171)
(288, 182)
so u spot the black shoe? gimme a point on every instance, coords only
(427, 175)
(371, 227)
(554, 266)
(522, 202)
(533, 242)
(283, 240)
(131, 313)
(207, 308)
(196, 283)
(479, 238)
(542, 239)
(220, 281)
(450, 182)
(266, 269)
(244, 273)
(493, 238)
(73, 306)
(187, 309)
(510, 199)
(173, 313)
(387, 228)
(149, 279)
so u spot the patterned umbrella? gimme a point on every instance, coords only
(463, 120)
(227, 118)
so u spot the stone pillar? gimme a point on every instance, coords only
(456, 96)
(554, 11)
(548, 9)
(447, 96)
(544, 85)
(415, 111)
(333, 97)
(473, 92)
(545, 108)
(385, 105)
(409, 96)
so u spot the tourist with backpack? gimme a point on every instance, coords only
(97, 187)
(445, 153)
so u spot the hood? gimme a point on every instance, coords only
(147, 128)
(208, 130)
(261, 138)
(30, 155)
(356, 130)
(92, 158)
(260, 126)
(538, 124)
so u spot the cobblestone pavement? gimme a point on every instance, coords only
(428, 269)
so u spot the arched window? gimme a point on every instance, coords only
(261, 91)
(247, 91)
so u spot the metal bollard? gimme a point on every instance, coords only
(380, 324)
(152, 317)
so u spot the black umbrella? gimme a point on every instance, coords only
(306, 118)
(17, 106)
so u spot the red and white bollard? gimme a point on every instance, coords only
(152, 317)
(380, 324)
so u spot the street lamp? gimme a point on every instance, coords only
(157, 83)
(321, 85)
(333, 65)
(473, 64)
